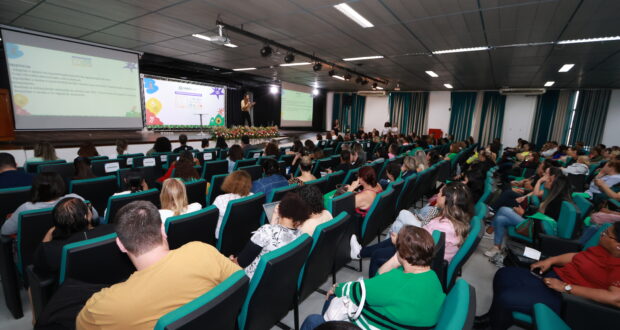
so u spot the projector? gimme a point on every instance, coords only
(219, 40)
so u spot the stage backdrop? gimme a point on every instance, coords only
(172, 102)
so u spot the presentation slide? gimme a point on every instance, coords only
(178, 102)
(296, 106)
(58, 84)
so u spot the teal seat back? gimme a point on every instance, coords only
(96, 190)
(351, 176)
(546, 319)
(198, 226)
(215, 187)
(32, 226)
(12, 198)
(241, 219)
(115, 203)
(458, 310)
(33, 167)
(593, 241)
(274, 285)
(465, 250)
(216, 309)
(567, 220)
(584, 206)
(376, 216)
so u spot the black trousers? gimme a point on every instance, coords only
(245, 115)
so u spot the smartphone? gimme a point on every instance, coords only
(536, 272)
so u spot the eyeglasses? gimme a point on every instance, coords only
(605, 233)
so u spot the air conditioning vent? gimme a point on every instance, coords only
(522, 91)
(371, 93)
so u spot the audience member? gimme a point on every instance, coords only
(318, 214)
(183, 146)
(366, 189)
(121, 146)
(133, 182)
(204, 144)
(72, 220)
(236, 185)
(173, 198)
(305, 166)
(581, 167)
(83, 170)
(290, 213)
(245, 144)
(183, 168)
(272, 179)
(162, 144)
(271, 150)
(389, 294)
(87, 149)
(10, 177)
(220, 143)
(164, 280)
(596, 154)
(609, 174)
(235, 153)
(48, 188)
(392, 150)
(43, 151)
(392, 172)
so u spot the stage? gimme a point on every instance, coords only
(72, 139)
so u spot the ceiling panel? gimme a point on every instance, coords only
(110, 9)
(63, 15)
(47, 26)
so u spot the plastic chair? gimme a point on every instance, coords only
(216, 309)
(195, 226)
(273, 288)
(241, 219)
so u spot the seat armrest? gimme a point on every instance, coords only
(10, 279)
(41, 290)
(550, 246)
(583, 313)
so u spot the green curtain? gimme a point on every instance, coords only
(590, 115)
(461, 114)
(408, 111)
(543, 118)
(491, 117)
(561, 120)
(349, 109)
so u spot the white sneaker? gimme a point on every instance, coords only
(492, 252)
(356, 248)
(489, 236)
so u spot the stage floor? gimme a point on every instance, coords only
(68, 139)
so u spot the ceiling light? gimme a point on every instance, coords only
(244, 69)
(266, 51)
(228, 44)
(379, 88)
(375, 57)
(338, 77)
(374, 85)
(201, 36)
(566, 67)
(549, 83)
(331, 72)
(432, 74)
(397, 88)
(353, 15)
(289, 58)
(460, 50)
(296, 64)
(347, 76)
(315, 92)
(448, 86)
(581, 41)
(317, 66)
(274, 89)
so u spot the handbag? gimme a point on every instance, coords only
(342, 308)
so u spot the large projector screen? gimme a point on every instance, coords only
(171, 102)
(58, 84)
(296, 106)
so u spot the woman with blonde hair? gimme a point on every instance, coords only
(173, 199)
(43, 151)
(236, 185)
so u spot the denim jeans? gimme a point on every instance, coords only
(503, 219)
(379, 254)
(314, 320)
(517, 290)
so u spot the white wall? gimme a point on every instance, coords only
(611, 132)
(439, 104)
(518, 118)
(376, 113)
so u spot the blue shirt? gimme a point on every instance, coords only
(269, 183)
(15, 178)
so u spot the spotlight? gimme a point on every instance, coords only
(274, 89)
(289, 58)
(347, 76)
(331, 72)
(374, 85)
(315, 92)
(317, 66)
(266, 51)
(359, 80)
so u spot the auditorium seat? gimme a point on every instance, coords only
(196, 192)
(244, 162)
(273, 287)
(373, 223)
(129, 158)
(241, 219)
(147, 161)
(377, 165)
(577, 182)
(547, 319)
(288, 159)
(222, 154)
(254, 154)
(404, 199)
(218, 308)
(115, 203)
(397, 186)
(420, 187)
(320, 263)
(65, 170)
(105, 167)
(263, 159)
(95, 190)
(255, 171)
(351, 176)
(334, 179)
(443, 171)
(10, 281)
(31, 228)
(194, 226)
(215, 187)
(151, 174)
(214, 167)
(11, 199)
(319, 183)
(565, 228)
(206, 155)
(328, 151)
(459, 308)
(96, 158)
(32, 167)
(438, 264)
(320, 166)
(467, 248)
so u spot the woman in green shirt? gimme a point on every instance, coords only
(389, 303)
